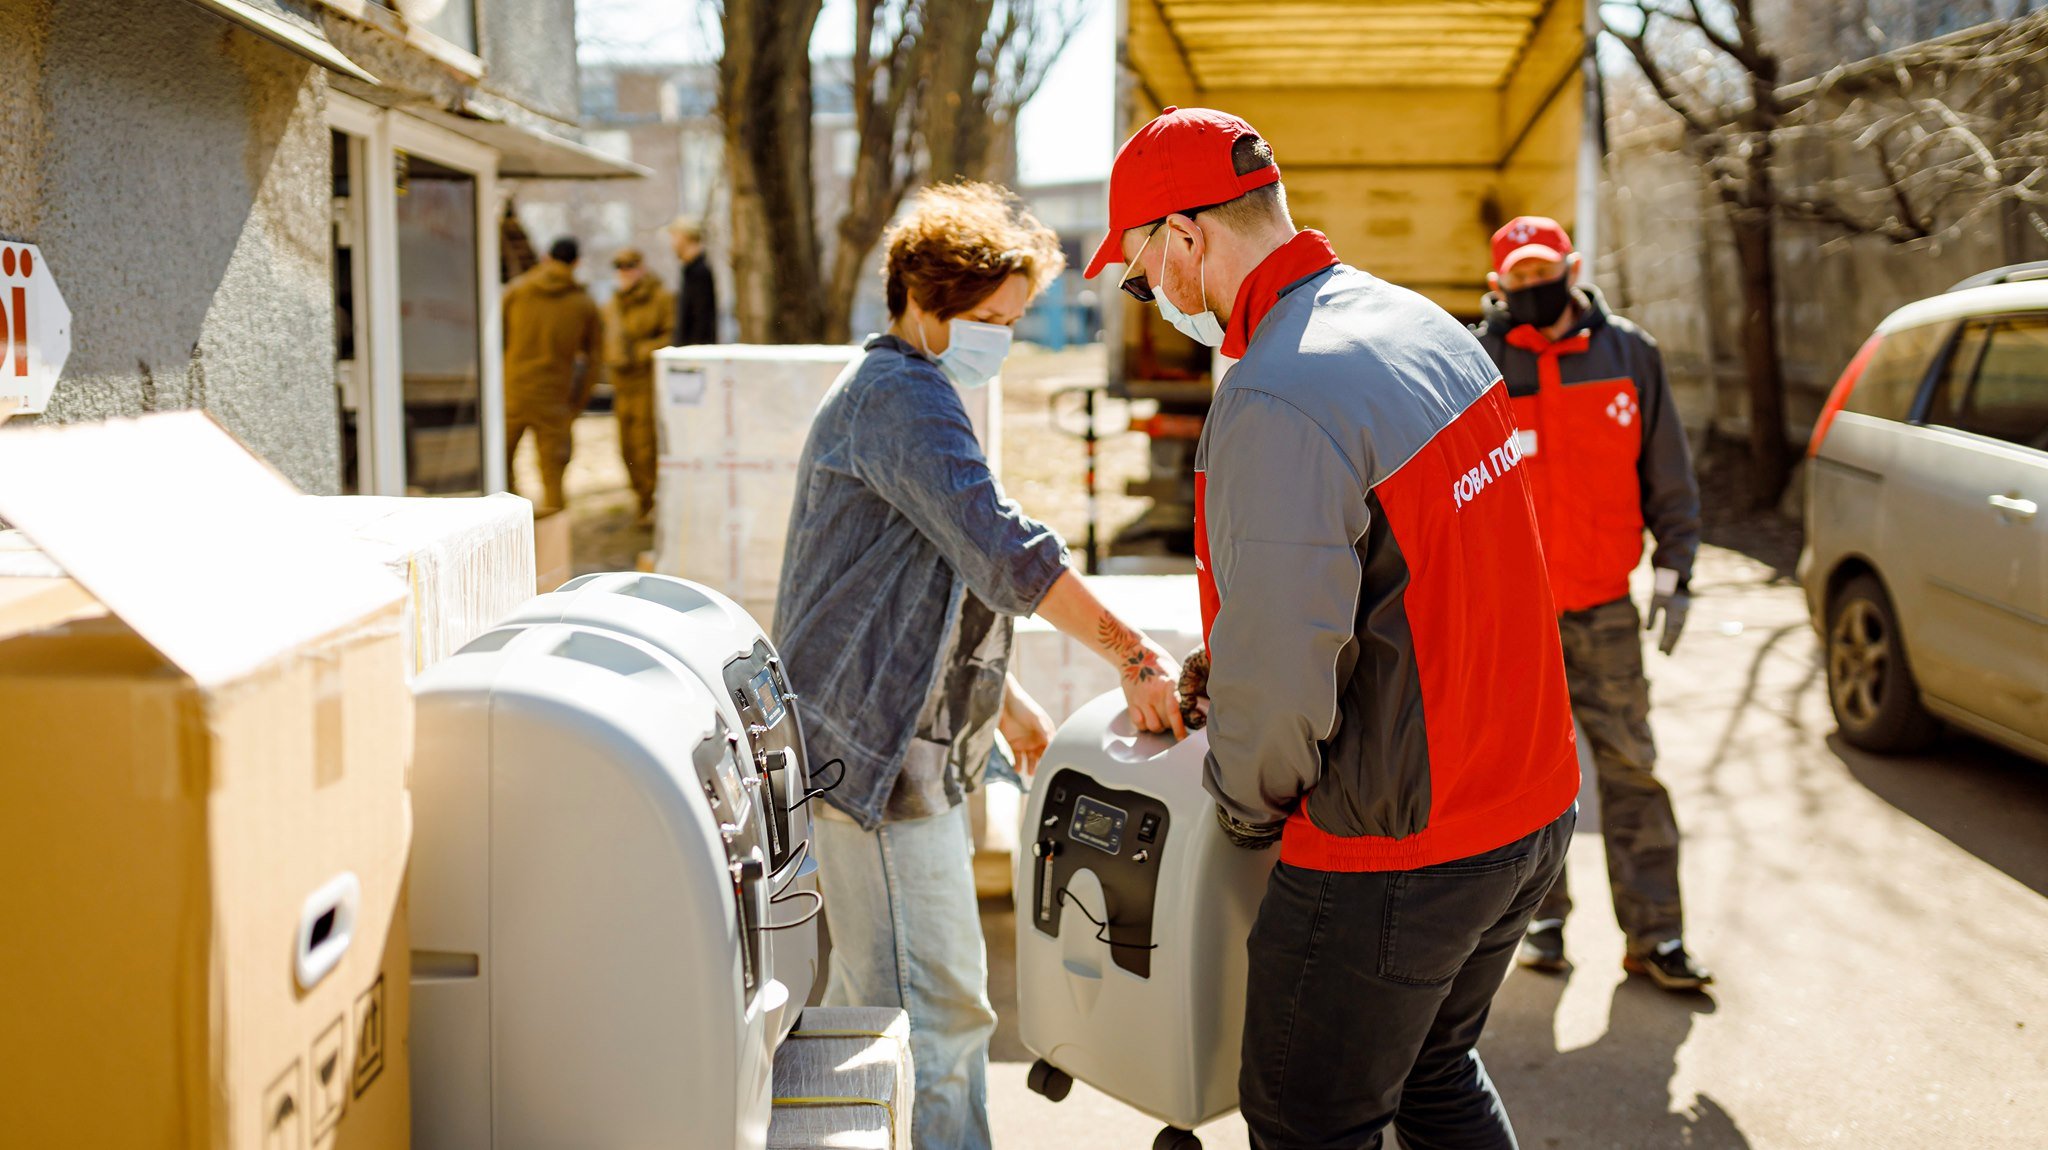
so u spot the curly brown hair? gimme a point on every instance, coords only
(960, 243)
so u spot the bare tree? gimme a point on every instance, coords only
(990, 58)
(936, 86)
(1949, 130)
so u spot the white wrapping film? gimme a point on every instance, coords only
(1063, 675)
(732, 426)
(466, 563)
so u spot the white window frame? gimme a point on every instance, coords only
(380, 421)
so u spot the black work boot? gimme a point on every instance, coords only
(1543, 947)
(1669, 966)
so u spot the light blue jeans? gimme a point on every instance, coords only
(906, 931)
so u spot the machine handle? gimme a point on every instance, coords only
(327, 924)
(2015, 506)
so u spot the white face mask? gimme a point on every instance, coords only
(1203, 327)
(975, 353)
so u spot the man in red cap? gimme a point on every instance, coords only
(1387, 697)
(1606, 456)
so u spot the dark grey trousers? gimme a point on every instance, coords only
(1369, 991)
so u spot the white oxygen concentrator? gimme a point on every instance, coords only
(588, 890)
(1133, 908)
(730, 654)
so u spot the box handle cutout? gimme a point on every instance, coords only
(327, 924)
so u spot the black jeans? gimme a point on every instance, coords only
(1368, 992)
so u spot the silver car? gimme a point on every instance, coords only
(1926, 559)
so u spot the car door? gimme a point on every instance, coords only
(1970, 500)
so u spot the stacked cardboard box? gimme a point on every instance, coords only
(465, 563)
(844, 1079)
(1063, 675)
(733, 421)
(204, 734)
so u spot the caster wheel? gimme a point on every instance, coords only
(1049, 1080)
(1174, 1138)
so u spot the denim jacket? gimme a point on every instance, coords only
(897, 520)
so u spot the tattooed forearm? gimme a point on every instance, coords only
(1136, 664)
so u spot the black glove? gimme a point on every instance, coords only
(1250, 836)
(1671, 600)
(1194, 689)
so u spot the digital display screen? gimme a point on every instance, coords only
(1098, 824)
(767, 697)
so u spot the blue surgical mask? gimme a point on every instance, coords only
(975, 353)
(1203, 327)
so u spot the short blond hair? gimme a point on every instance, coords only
(960, 243)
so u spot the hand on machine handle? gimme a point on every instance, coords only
(1151, 681)
(1671, 600)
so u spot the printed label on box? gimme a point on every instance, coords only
(684, 386)
(284, 1112)
(330, 1075)
(370, 1034)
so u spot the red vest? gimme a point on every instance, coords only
(1580, 444)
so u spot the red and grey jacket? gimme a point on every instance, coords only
(1386, 673)
(1603, 448)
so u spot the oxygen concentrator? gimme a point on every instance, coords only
(589, 893)
(1133, 908)
(730, 654)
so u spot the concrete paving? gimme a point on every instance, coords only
(1879, 929)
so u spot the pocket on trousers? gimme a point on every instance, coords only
(1435, 916)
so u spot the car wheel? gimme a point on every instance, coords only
(1875, 700)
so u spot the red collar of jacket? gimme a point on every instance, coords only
(1306, 254)
(1529, 338)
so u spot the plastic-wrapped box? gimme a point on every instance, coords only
(844, 1080)
(1064, 675)
(466, 563)
(733, 421)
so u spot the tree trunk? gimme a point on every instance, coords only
(764, 81)
(1754, 244)
(956, 116)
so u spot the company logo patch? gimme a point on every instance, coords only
(1622, 408)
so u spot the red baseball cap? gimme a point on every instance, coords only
(1180, 160)
(1529, 238)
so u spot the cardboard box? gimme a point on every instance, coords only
(844, 1079)
(1063, 675)
(733, 421)
(466, 563)
(203, 814)
(554, 559)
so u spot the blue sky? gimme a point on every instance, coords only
(1065, 134)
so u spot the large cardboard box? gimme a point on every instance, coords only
(203, 810)
(732, 426)
(1063, 675)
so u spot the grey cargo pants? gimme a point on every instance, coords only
(1603, 663)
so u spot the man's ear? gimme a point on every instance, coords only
(1492, 281)
(1574, 265)
(1186, 232)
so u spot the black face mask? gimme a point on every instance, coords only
(1540, 304)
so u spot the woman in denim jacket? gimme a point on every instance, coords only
(905, 568)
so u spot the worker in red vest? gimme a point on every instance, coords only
(1606, 456)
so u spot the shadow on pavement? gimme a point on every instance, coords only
(1985, 799)
(1613, 1093)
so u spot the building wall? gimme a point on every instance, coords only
(174, 170)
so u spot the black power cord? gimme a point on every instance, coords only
(1067, 897)
(815, 792)
(817, 908)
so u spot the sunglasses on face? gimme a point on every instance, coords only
(1133, 283)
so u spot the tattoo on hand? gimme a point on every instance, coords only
(1136, 664)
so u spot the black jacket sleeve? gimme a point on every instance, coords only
(1671, 492)
(696, 305)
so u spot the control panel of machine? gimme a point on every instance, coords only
(719, 774)
(761, 692)
(1119, 835)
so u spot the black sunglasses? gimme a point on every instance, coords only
(1133, 283)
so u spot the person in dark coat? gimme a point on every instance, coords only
(696, 294)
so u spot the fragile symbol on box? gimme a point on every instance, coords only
(35, 328)
(330, 1079)
(370, 1034)
(284, 1117)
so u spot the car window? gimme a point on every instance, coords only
(1892, 378)
(2006, 396)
